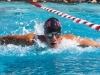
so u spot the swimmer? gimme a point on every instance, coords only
(94, 1)
(52, 36)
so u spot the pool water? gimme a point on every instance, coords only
(68, 59)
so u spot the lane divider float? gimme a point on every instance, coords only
(74, 19)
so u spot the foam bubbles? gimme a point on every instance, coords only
(38, 28)
(41, 48)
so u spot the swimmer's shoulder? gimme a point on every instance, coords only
(30, 36)
(69, 36)
(34, 36)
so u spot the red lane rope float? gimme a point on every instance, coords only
(74, 19)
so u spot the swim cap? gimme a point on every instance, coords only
(52, 25)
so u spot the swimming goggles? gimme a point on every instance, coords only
(50, 35)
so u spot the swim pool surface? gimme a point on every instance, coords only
(68, 59)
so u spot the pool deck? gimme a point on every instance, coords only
(66, 1)
(58, 1)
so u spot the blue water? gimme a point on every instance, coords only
(68, 59)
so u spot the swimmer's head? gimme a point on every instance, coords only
(52, 25)
(52, 30)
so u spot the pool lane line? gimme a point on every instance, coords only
(74, 19)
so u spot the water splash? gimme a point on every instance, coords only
(38, 28)
(66, 46)
(41, 48)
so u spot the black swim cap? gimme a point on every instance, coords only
(52, 25)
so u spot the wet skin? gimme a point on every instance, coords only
(53, 41)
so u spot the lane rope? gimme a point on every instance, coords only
(74, 19)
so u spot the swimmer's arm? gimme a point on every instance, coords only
(18, 39)
(87, 42)
(82, 41)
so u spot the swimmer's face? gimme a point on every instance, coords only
(53, 39)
